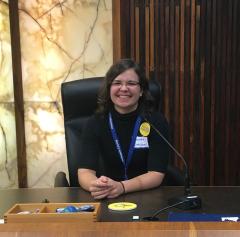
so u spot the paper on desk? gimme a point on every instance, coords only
(1, 221)
(231, 218)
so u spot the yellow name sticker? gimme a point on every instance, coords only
(145, 129)
(122, 206)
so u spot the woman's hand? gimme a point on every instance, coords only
(116, 189)
(99, 188)
(105, 187)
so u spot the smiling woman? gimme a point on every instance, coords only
(131, 158)
(125, 91)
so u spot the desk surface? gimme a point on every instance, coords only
(215, 200)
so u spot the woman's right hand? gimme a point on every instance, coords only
(105, 187)
(99, 188)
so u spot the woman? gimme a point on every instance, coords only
(119, 137)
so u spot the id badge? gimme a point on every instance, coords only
(141, 142)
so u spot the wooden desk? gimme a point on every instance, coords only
(122, 229)
(217, 200)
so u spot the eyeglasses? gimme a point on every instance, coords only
(128, 84)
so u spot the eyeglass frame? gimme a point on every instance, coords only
(128, 84)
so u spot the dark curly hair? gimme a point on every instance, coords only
(146, 102)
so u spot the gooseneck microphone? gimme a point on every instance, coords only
(154, 216)
(187, 201)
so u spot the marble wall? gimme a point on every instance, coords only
(61, 40)
(8, 156)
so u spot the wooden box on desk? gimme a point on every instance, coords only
(46, 212)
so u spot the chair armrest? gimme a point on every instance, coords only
(61, 180)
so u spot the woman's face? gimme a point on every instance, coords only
(125, 91)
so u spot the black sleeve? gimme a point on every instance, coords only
(90, 145)
(158, 149)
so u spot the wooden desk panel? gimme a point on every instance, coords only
(122, 229)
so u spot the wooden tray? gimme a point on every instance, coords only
(46, 212)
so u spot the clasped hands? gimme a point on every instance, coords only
(104, 187)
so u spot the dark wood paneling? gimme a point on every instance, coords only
(116, 31)
(18, 94)
(192, 48)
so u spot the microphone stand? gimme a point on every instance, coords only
(188, 201)
(154, 216)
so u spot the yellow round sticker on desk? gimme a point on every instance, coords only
(145, 129)
(122, 206)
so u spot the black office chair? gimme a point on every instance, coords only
(79, 100)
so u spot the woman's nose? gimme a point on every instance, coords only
(123, 86)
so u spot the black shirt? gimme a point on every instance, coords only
(99, 151)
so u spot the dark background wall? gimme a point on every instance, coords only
(192, 47)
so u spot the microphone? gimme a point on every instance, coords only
(187, 201)
(154, 216)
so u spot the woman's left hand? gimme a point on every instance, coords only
(116, 189)
(106, 187)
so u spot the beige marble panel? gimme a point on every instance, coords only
(45, 143)
(6, 83)
(8, 155)
(60, 41)
(63, 41)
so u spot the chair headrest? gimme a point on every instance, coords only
(79, 98)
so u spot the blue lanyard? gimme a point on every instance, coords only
(118, 146)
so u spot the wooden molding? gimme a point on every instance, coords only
(18, 94)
